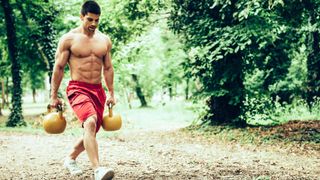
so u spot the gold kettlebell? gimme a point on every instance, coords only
(111, 122)
(54, 122)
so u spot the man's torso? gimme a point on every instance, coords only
(87, 56)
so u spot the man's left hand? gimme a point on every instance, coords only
(111, 100)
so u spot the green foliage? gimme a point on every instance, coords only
(248, 54)
(282, 90)
(295, 82)
(215, 59)
(125, 20)
(259, 110)
(34, 66)
(5, 62)
(171, 71)
(265, 111)
(43, 15)
(156, 57)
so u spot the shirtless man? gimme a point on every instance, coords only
(87, 52)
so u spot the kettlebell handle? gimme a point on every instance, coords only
(59, 108)
(110, 110)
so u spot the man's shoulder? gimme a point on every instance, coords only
(67, 39)
(67, 36)
(104, 36)
(70, 35)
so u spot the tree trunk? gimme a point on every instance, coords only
(34, 93)
(3, 94)
(170, 91)
(187, 88)
(3, 97)
(170, 87)
(128, 96)
(139, 91)
(15, 117)
(225, 109)
(7, 92)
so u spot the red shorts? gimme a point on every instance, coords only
(86, 100)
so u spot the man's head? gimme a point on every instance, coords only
(90, 13)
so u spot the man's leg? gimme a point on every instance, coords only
(90, 142)
(70, 162)
(91, 146)
(77, 149)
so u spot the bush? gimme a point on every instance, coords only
(265, 111)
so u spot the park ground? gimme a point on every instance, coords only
(158, 143)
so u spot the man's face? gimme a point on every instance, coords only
(90, 21)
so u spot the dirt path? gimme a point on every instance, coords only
(152, 155)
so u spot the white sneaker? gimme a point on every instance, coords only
(102, 173)
(72, 166)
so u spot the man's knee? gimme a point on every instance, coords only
(90, 124)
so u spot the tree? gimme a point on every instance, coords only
(313, 63)
(171, 71)
(43, 14)
(209, 32)
(15, 117)
(228, 42)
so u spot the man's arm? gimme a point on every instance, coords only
(61, 59)
(108, 72)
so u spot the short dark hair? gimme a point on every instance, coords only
(90, 7)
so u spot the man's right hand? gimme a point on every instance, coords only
(55, 102)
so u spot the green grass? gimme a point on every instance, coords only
(282, 113)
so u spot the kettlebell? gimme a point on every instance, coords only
(111, 122)
(54, 122)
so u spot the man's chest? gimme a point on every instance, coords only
(84, 47)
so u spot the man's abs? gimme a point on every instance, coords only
(86, 57)
(86, 69)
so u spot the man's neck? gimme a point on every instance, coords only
(86, 32)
